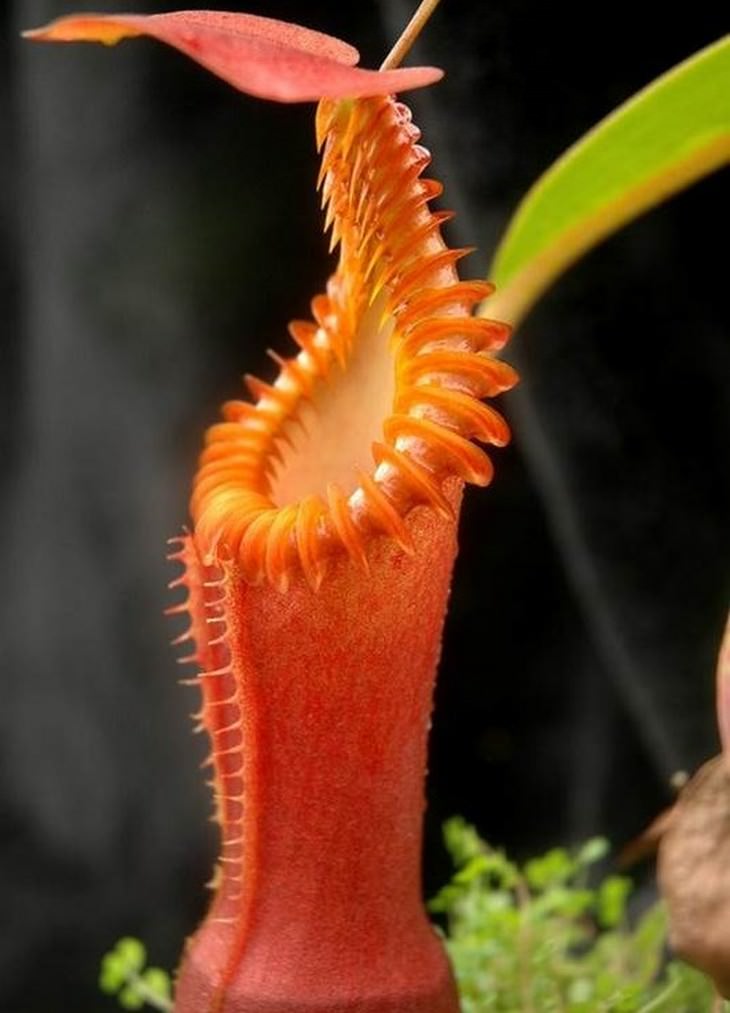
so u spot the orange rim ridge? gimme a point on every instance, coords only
(390, 246)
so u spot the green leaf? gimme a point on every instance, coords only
(461, 839)
(132, 954)
(554, 868)
(113, 973)
(662, 140)
(129, 998)
(612, 897)
(157, 982)
(593, 851)
(445, 899)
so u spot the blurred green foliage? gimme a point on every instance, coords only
(547, 936)
(123, 973)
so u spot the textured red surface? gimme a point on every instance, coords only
(335, 688)
(261, 56)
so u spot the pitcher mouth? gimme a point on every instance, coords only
(382, 402)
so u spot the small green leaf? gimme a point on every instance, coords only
(461, 840)
(113, 973)
(565, 901)
(552, 869)
(132, 954)
(130, 998)
(659, 142)
(488, 863)
(445, 899)
(474, 868)
(612, 897)
(593, 851)
(158, 982)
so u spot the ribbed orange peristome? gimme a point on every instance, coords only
(442, 358)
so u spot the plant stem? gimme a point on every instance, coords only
(522, 893)
(409, 35)
(658, 1001)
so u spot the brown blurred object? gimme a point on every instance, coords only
(694, 853)
(694, 873)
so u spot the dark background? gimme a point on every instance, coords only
(157, 230)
